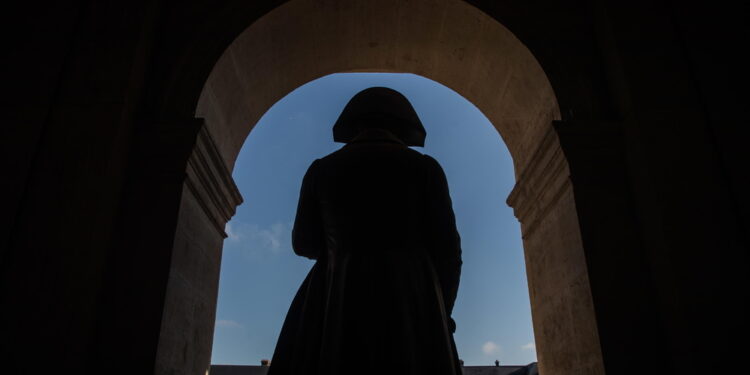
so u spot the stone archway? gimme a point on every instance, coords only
(447, 41)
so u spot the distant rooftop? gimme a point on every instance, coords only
(491, 370)
(468, 370)
(237, 370)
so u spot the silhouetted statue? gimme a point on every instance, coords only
(377, 217)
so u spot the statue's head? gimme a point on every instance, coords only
(379, 108)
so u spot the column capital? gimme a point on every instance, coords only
(210, 181)
(540, 183)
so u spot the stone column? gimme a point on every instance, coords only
(209, 199)
(627, 319)
(562, 309)
(159, 295)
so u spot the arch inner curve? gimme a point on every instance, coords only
(447, 41)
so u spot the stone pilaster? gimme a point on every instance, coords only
(540, 184)
(209, 200)
(562, 309)
(210, 181)
(620, 277)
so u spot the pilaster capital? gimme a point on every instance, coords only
(540, 184)
(580, 153)
(210, 181)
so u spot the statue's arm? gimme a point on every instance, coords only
(307, 235)
(443, 238)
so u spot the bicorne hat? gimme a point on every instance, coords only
(380, 107)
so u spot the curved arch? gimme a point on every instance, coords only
(447, 41)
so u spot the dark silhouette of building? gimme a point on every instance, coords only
(529, 369)
(122, 119)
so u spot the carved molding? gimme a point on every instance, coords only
(541, 183)
(211, 182)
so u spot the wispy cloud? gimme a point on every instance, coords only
(530, 346)
(269, 237)
(226, 323)
(231, 233)
(255, 240)
(490, 348)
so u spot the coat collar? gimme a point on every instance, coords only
(376, 135)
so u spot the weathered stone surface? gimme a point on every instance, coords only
(447, 41)
(98, 132)
(464, 49)
(565, 329)
(209, 199)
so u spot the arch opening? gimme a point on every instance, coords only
(258, 264)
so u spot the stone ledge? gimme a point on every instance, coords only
(210, 181)
(540, 184)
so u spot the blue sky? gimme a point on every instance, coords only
(260, 273)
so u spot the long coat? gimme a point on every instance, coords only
(377, 218)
